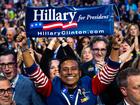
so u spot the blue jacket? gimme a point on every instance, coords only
(85, 92)
(25, 93)
(60, 96)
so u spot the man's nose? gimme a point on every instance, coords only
(69, 71)
(6, 93)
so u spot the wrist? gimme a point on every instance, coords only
(24, 49)
(115, 48)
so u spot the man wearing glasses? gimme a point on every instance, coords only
(23, 89)
(99, 50)
(5, 91)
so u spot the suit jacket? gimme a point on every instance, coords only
(25, 93)
(121, 103)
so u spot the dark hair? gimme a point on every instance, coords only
(99, 38)
(50, 60)
(6, 51)
(68, 58)
(123, 75)
(49, 64)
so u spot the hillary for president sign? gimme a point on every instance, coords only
(69, 21)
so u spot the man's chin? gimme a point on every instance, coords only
(9, 78)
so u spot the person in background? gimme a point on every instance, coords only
(81, 43)
(3, 29)
(53, 68)
(5, 91)
(3, 41)
(11, 32)
(86, 54)
(99, 47)
(87, 65)
(132, 32)
(24, 92)
(72, 42)
(128, 81)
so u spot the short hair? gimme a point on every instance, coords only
(68, 58)
(13, 30)
(5, 51)
(99, 38)
(123, 75)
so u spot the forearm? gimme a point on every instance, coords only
(41, 81)
(105, 76)
(27, 58)
(114, 55)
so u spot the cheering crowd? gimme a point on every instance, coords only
(80, 70)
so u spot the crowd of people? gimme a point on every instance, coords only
(81, 70)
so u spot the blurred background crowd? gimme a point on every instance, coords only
(91, 51)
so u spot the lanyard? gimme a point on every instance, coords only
(76, 99)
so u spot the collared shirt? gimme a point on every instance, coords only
(13, 84)
(55, 52)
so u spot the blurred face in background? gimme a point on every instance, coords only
(70, 42)
(99, 50)
(134, 30)
(85, 41)
(10, 35)
(54, 68)
(86, 54)
(124, 47)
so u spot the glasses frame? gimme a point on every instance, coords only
(3, 91)
(97, 49)
(9, 65)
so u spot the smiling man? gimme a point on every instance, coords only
(69, 88)
(24, 92)
(5, 91)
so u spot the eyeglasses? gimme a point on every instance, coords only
(3, 91)
(9, 65)
(8, 34)
(97, 49)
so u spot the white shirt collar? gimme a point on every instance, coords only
(126, 103)
(14, 81)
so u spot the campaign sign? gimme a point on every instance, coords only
(69, 21)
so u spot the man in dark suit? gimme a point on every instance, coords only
(128, 81)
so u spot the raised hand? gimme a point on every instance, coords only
(117, 40)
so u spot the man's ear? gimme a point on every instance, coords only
(123, 91)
